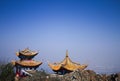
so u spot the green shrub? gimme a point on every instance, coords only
(7, 72)
(39, 76)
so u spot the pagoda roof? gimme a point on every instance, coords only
(27, 52)
(67, 64)
(28, 63)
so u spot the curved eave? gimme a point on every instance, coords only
(70, 66)
(28, 64)
(82, 67)
(28, 54)
(75, 67)
(54, 67)
(67, 64)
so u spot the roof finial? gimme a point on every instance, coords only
(66, 53)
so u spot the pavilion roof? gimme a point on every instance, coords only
(67, 64)
(28, 63)
(27, 52)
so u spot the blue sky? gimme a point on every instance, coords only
(89, 29)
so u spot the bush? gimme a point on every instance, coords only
(7, 72)
(39, 76)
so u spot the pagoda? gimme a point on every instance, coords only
(66, 66)
(26, 62)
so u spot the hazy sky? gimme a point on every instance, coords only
(89, 29)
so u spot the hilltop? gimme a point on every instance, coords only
(7, 74)
(85, 75)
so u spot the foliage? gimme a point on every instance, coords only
(39, 76)
(6, 72)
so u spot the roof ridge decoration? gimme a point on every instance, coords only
(66, 53)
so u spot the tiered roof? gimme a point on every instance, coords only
(66, 64)
(26, 56)
(30, 63)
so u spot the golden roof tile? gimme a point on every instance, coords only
(28, 63)
(27, 52)
(67, 64)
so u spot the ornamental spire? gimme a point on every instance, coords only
(66, 53)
